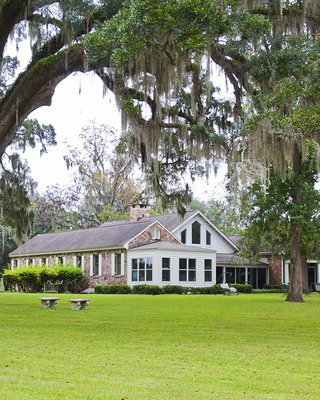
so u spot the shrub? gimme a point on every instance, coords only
(268, 286)
(147, 289)
(68, 275)
(11, 279)
(242, 288)
(174, 289)
(113, 289)
(29, 278)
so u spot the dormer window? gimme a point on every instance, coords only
(196, 229)
(155, 233)
(184, 236)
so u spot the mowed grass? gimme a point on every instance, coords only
(160, 347)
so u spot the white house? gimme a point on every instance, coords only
(157, 250)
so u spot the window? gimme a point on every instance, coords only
(29, 261)
(208, 238)
(166, 269)
(187, 269)
(184, 236)
(95, 266)
(155, 233)
(208, 270)
(79, 261)
(60, 260)
(196, 228)
(15, 264)
(117, 264)
(44, 261)
(141, 269)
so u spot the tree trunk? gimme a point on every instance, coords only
(295, 283)
(295, 278)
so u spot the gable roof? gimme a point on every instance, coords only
(115, 234)
(110, 235)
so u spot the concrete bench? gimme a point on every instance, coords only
(79, 304)
(50, 302)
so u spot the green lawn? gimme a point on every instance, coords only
(254, 346)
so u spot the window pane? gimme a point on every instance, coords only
(149, 275)
(207, 276)
(134, 263)
(192, 263)
(192, 276)
(166, 275)
(208, 264)
(118, 264)
(208, 238)
(184, 236)
(141, 263)
(141, 276)
(182, 275)
(166, 263)
(149, 263)
(182, 263)
(196, 232)
(134, 276)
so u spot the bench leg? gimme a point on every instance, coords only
(53, 303)
(75, 306)
(44, 303)
(84, 305)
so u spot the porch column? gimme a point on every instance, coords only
(224, 274)
(286, 272)
(318, 273)
(246, 275)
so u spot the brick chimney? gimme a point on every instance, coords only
(138, 211)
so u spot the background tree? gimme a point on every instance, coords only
(105, 179)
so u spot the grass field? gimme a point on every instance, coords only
(133, 347)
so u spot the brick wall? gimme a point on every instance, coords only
(275, 277)
(146, 237)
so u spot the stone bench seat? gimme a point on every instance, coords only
(50, 302)
(79, 304)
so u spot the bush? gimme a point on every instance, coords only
(174, 289)
(68, 275)
(32, 279)
(113, 289)
(29, 279)
(268, 286)
(242, 288)
(147, 289)
(11, 279)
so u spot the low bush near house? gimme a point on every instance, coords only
(146, 289)
(174, 289)
(242, 288)
(268, 286)
(113, 289)
(34, 278)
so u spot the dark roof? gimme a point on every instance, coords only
(112, 234)
(234, 259)
(170, 221)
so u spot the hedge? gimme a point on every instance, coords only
(34, 278)
(168, 289)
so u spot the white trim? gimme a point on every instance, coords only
(82, 263)
(122, 263)
(100, 265)
(74, 261)
(113, 264)
(91, 265)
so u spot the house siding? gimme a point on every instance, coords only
(174, 256)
